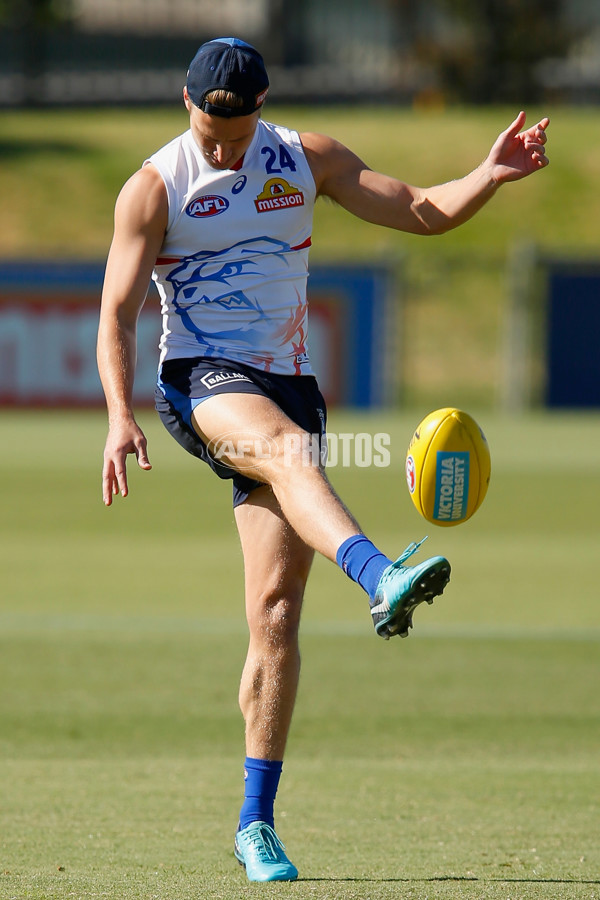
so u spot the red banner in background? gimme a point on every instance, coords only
(49, 321)
(48, 352)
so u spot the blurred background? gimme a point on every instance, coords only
(501, 314)
(123, 51)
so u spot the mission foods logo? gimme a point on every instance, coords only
(209, 205)
(278, 194)
(452, 486)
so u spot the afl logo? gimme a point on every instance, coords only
(411, 477)
(209, 205)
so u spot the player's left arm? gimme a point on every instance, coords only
(383, 200)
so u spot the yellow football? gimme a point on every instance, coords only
(448, 467)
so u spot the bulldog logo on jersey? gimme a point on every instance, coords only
(278, 194)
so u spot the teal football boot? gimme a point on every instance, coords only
(401, 588)
(262, 854)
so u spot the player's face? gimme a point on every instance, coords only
(222, 141)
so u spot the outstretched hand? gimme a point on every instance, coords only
(517, 153)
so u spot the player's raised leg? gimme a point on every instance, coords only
(276, 567)
(314, 510)
(299, 483)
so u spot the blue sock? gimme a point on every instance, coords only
(261, 780)
(362, 562)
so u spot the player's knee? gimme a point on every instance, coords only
(294, 448)
(275, 615)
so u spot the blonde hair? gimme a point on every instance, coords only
(224, 98)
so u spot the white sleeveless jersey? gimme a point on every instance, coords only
(232, 271)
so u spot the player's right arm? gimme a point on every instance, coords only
(340, 175)
(141, 214)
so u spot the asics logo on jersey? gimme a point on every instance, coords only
(278, 194)
(209, 205)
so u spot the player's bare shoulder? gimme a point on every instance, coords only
(143, 199)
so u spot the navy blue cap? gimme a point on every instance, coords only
(231, 65)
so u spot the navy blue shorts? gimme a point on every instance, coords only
(184, 383)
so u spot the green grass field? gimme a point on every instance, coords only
(460, 763)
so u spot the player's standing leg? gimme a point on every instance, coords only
(276, 567)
